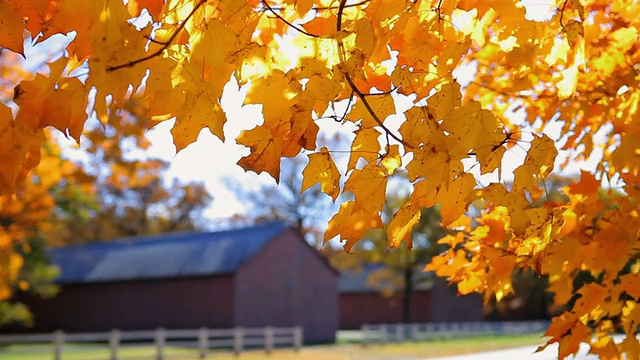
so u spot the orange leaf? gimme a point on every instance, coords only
(265, 152)
(154, 7)
(587, 185)
(11, 29)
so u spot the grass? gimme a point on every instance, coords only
(344, 351)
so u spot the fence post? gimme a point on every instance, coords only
(58, 342)
(114, 342)
(413, 331)
(384, 336)
(237, 340)
(365, 336)
(297, 338)
(399, 333)
(268, 339)
(160, 342)
(203, 342)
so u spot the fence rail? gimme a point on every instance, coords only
(236, 339)
(383, 333)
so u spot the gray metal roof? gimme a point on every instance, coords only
(163, 256)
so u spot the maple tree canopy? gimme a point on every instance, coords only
(350, 61)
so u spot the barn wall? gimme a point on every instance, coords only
(372, 308)
(448, 307)
(287, 284)
(170, 303)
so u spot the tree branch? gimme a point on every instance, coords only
(300, 30)
(324, 8)
(357, 91)
(564, 5)
(166, 44)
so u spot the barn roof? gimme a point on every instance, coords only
(163, 256)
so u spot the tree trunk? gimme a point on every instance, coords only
(406, 300)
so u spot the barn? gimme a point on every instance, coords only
(431, 301)
(260, 276)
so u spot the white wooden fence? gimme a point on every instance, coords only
(383, 333)
(237, 339)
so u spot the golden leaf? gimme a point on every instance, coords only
(538, 163)
(365, 145)
(321, 169)
(351, 224)
(391, 160)
(401, 225)
(369, 187)
(265, 152)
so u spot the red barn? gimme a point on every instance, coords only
(431, 301)
(265, 275)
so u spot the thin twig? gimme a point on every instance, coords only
(564, 5)
(438, 10)
(384, 92)
(533, 95)
(324, 8)
(339, 17)
(357, 91)
(300, 30)
(373, 113)
(165, 46)
(344, 7)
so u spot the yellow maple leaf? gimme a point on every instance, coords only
(199, 111)
(401, 225)
(369, 187)
(365, 145)
(445, 101)
(431, 161)
(382, 106)
(380, 10)
(605, 348)
(455, 199)
(351, 224)
(538, 163)
(265, 151)
(490, 158)
(391, 160)
(321, 169)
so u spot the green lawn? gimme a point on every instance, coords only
(391, 351)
